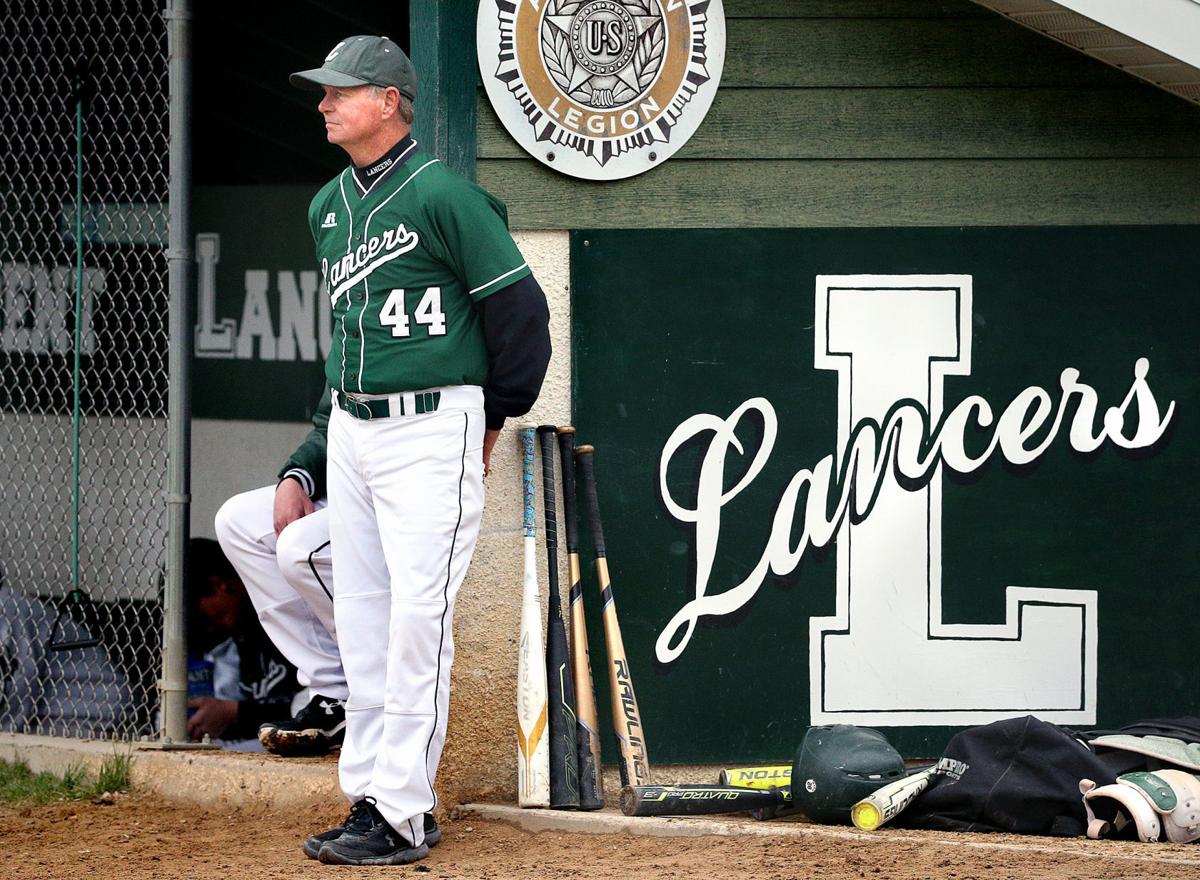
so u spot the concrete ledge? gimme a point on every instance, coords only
(610, 821)
(207, 778)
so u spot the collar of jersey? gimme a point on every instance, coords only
(407, 148)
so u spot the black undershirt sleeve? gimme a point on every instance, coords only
(516, 326)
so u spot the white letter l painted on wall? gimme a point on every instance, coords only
(886, 657)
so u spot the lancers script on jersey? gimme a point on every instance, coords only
(405, 258)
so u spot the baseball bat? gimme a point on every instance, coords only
(773, 776)
(627, 719)
(564, 754)
(884, 804)
(533, 748)
(696, 800)
(591, 785)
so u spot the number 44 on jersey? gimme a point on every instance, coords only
(428, 312)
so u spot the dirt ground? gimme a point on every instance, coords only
(139, 837)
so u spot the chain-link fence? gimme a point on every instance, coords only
(83, 364)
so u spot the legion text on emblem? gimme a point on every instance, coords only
(601, 89)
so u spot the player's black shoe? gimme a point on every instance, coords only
(359, 822)
(316, 729)
(381, 844)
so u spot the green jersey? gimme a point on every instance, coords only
(404, 260)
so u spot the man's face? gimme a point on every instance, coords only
(352, 115)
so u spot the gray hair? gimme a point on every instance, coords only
(404, 108)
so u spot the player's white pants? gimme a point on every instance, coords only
(290, 582)
(405, 500)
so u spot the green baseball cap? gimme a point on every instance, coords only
(362, 61)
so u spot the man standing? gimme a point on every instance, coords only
(439, 333)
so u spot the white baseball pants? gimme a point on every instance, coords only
(290, 582)
(405, 501)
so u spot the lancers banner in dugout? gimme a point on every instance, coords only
(917, 479)
(263, 319)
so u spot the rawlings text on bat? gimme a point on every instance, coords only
(627, 719)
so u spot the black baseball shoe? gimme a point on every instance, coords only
(316, 729)
(380, 845)
(359, 822)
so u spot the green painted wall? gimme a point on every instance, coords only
(889, 113)
(669, 325)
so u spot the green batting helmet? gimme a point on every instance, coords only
(839, 765)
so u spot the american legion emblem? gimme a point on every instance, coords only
(601, 89)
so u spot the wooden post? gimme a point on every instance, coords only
(443, 51)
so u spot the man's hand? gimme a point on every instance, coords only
(211, 716)
(489, 440)
(291, 503)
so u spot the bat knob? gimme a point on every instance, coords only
(866, 816)
(629, 800)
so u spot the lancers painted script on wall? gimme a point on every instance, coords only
(899, 336)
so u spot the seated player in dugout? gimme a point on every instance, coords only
(219, 613)
(277, 538)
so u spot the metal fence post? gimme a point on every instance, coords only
(178, 14)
